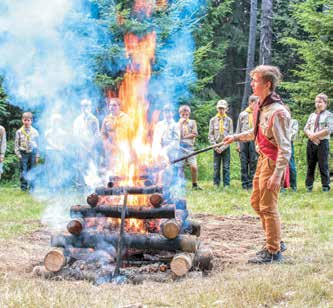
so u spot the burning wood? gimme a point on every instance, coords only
(156, 200)
(139, 212)
(148, 242)
(105, 191)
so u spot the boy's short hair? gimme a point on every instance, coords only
(323, 97)
(114, 99)
(253, 98)
(27, 115)
(184, 108)
(268, 73)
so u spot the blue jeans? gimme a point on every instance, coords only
(224, 157)
(27, 162)
(292, 169)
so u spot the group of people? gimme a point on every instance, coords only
(264, 135)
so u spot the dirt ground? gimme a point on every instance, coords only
(232, 238)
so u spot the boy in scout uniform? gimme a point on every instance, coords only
(220, 126)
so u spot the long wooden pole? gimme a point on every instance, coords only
(197, 152)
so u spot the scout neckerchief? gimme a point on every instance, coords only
(316, 126)
(250, 112)
(270, 99)
(27, 135)
(185, 127)
(221, 122)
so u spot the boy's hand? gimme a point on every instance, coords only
(1, 159)
(274, 182)
(228, 139)
(37, 160)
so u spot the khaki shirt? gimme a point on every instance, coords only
(214, 135)
(26, 144)
(243, 124)
(188, 128)
(115, 128)
(325, 122)
(3, 141)
(275, 125)
(293, 129)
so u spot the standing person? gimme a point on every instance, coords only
(166, 142)
(318, 129)
(3, 146)
(271, 133)
(247, 150)
(221, 126)
(188, 133)
(115, 129)
(292, 165)
(86, 132)
(27, 149)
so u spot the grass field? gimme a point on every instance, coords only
(305, 280)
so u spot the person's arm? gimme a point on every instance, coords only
(194, 132)
(238, 130)
(17, 145)
(211, 137)
(294, 129)
(309, 133)
(3, 146)
(281, 133)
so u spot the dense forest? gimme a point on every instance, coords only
(231, 37)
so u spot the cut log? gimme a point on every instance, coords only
(203, 259)
(181, 264)
(76, 226)
(55, 260)
(146, 242)
(192, 227)
(171, 228)
(106, 191)
(92, 200)
(156, 200)
(115, 211)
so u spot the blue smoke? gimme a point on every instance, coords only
(48, 61)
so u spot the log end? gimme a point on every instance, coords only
(75, 226)
(156, 200)
(181, 264)
(92, 200)
(170, 229)
(54, 260)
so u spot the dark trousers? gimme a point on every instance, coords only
(292, 169)
(224, 157)
(248, 158)
(317, 154)
(27, 162)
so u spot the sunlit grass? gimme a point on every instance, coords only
(304, 280)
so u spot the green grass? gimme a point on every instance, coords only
(306, 280)
(19, 212)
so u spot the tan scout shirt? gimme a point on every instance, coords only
(3, 142)
(275, 125)
(115, 128)
(293, 129)
(186, 128)
(325, 122)
(243, 124)
(26, 141)
(214, 135)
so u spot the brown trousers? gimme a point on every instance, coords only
(264, 202)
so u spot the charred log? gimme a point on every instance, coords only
(92, 200)
(149, 242)
(105, 191)
(156, 200)
(76, 226)
(115, 212)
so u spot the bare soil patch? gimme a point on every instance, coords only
(232, 238)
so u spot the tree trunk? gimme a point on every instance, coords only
(149, 242)
(266, 32)
(115, 212)
(250, 52)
